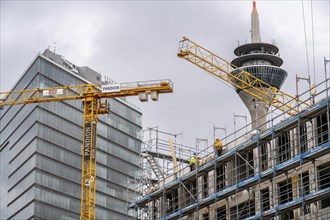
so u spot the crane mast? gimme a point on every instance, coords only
(88, 166)
(94, 103)
(239, 78)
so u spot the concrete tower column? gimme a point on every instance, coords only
(257, 109)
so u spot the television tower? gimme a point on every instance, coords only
(262, 61)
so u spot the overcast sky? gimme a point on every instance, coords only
(138, 40)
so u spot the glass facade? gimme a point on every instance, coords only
(40, 152)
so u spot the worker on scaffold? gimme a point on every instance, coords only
(217, 147)
(193, 161)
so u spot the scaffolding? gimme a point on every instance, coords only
(281, 173)
(156, 163)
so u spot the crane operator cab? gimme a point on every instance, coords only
(104, 107)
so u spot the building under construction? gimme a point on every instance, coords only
(276, 168)
(281, 173)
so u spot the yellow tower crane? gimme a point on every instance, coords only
(94, 103)
(242, 80)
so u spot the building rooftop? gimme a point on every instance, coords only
(83, 71)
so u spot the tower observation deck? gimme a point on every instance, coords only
(262, 61)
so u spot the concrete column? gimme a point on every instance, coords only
(310, 137)
(212, 213)
(295, 195)
(162, 207)
(295, 141)
(257, 159)
(272, 194)
(181, 197)
(293, 147)
(258, 111)
(212, 181)
(257, 200)
(200, 187)
(313, 187)
(229, 173)
(227, 209)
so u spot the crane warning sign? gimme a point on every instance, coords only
(52, 92)
(111, 88)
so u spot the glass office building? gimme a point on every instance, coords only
(40, 149)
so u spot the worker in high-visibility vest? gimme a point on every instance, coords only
(217, 147)
(193, 161)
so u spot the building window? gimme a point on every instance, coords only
(171, 201)
(284, 196)
(264, 200)
(221, 213)
(190, 190)
(205, 216)
(245, 166)
(304, 184)
(322, 129)
(220, 177)
(303, 188)
(284, 150)
(243, 210)
(287, 216)
(205, 185)
(155, 209)
(264, 156)
(324, 182)
(303, 145)
(250, 165)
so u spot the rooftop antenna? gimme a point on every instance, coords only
(273, 41)
(54, 42)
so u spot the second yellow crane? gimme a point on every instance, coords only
(243, 80)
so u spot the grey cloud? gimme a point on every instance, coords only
(138, 40)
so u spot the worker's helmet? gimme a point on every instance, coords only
(194, 153)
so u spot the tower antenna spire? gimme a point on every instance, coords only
(255, 28)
